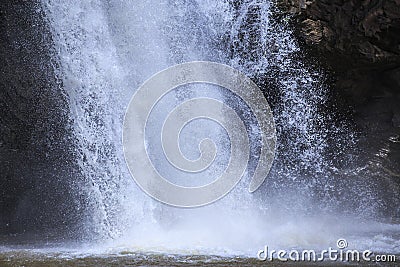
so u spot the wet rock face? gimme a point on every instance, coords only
(35, 152)
(368, 30)
(359, 41)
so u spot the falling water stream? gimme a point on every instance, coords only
(107, 49)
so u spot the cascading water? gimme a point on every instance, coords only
(108, 49)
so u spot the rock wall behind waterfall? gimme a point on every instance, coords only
(359, 41)
(367, 31)
(35, 156)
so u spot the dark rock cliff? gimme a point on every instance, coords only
(359, 41)
(35, 154)
(366, 31)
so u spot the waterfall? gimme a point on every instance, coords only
(107, 49)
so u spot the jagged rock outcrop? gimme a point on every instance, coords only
(367, 31)
(359, 42)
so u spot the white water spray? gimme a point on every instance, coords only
(108, 49)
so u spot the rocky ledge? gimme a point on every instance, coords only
(367, 31)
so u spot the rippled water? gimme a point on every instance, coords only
(126, 259)
(378, 237)
(134, 258)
